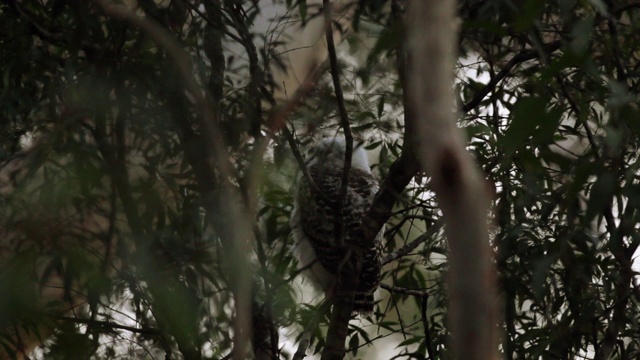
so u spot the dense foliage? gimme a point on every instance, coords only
(152, 225)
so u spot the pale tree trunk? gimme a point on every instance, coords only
(461, 190)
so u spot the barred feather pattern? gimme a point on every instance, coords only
(314, 219)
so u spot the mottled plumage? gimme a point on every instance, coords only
(313, 219)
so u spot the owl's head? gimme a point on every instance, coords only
(332, 150)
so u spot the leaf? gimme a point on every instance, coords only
(380, 106)
(409, 341)
(477, 131)
(529, 14)
(600, 195)
(387, 41)
(530, 119)
(581, 35)
(619, 94)
(373, 145)
(547, 128)
(354, 343)
(302, 9)
(523, 124)
(599, 5)
(540, 274)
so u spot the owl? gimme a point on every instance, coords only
(313, 220)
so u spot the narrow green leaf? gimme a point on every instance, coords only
(525, 116)
(380, 106)
(600, 195)
(302, 8)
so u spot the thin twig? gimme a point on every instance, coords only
(303, 166)
(204, 16)
(276, 121)
(425, 324)
(348, 276)
(504, 72)
(268, 303)
(403, 251)
(404, 291)
(118, 174)
(109, 325)
(344, 120)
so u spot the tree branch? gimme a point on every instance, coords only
(403, 251)
(400, 174)
(344, 120)
(349, 274)
(118, 174)
(109, 325)
(403, 291)
(342, 301)
(519, 58)
(303, 166)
